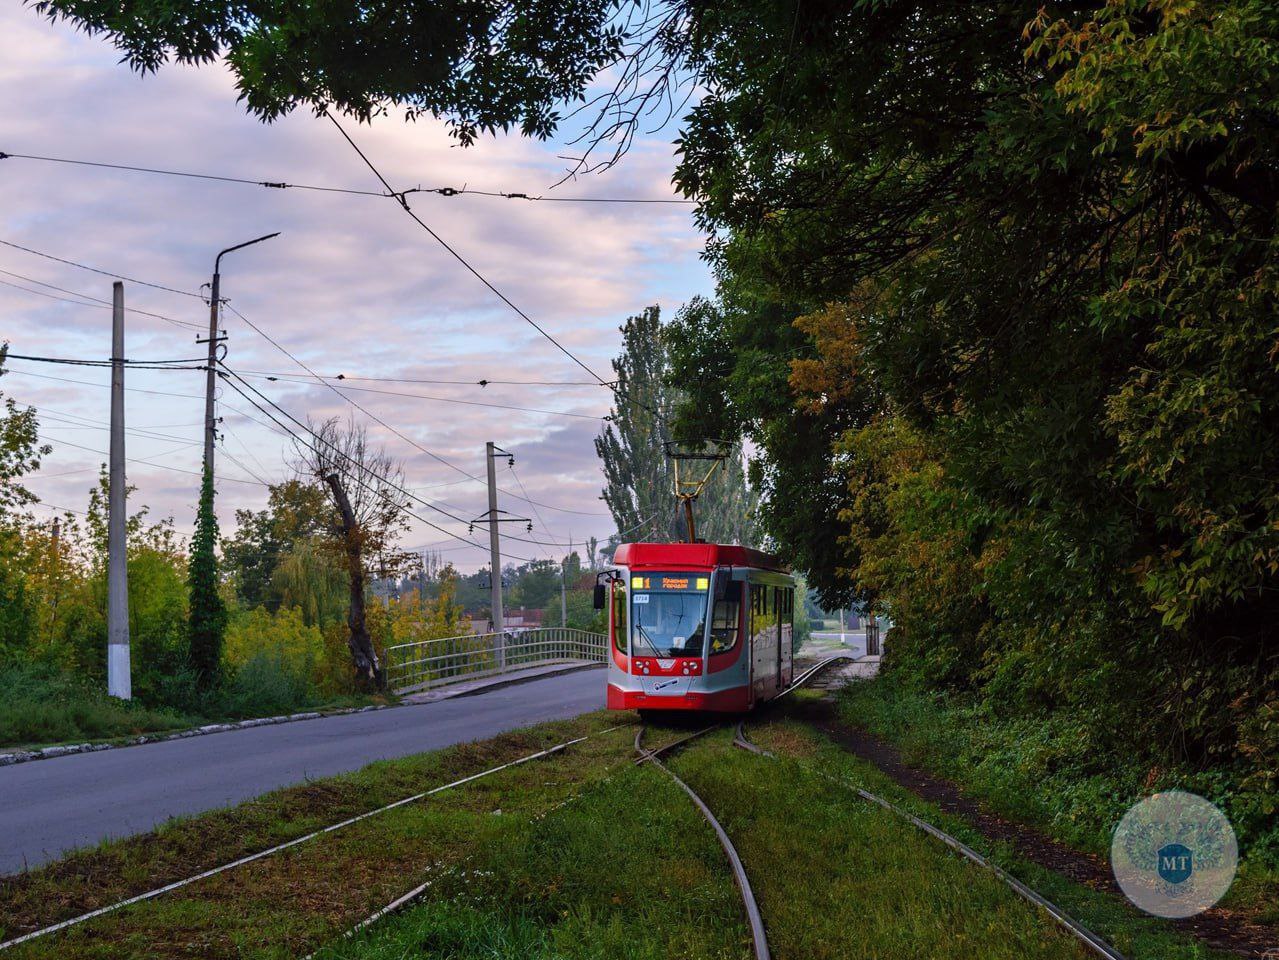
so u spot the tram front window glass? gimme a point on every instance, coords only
(668, 614)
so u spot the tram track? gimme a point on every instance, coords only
(272, 851)
(1086, 936)
(644, 756)
(754, 919)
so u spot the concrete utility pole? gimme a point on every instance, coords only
(211, 378)
(119, 683)
(495, 558)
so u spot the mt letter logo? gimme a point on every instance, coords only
(1176, 863)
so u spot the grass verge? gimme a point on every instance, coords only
(290, 903)
(579, 855)
(1028, 775)
(40, 707)
(1137, 935)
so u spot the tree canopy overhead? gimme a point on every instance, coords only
(996, 306)
(486, 66)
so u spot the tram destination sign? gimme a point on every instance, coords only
(670, 581)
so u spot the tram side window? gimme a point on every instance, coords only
(619, 616)
(726, 617)
(763, 610)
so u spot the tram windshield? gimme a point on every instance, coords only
(668, 614)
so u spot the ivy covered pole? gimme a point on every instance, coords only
(208, 616)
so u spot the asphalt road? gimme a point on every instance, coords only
(49, 807)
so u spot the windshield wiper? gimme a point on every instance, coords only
(651, 645)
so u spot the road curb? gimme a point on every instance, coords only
(66, 750)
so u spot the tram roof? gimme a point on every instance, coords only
(665, 556)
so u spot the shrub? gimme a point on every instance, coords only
(269, 682)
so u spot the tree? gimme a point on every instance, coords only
(520, 61)
(295, 513)
(20, 449)
(207, 612)
(366, 490)
(20, 452)
(638, 474)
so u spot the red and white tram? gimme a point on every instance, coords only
(696, 626)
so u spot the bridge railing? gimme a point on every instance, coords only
(433, 663)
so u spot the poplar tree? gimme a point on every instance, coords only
(639, 476)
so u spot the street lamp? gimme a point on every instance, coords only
(210, 424)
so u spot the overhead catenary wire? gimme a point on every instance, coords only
(152, 463)
(482, 382)
(104, 273)
(422, 396)
(364, 410)
(357, 479)
(283, 185)
(398, 487)
(175, 364)
(91, 383)
(400, 199)
(95, 301)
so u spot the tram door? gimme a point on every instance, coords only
(786, 640)
(765, 641)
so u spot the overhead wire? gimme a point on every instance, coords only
(400, 198)
(150, 463)
(91, 383)
(283, 185)
(364, 410)
(422, 396)
(357, 479)
(482, 382)
(104, 273)
(399, 487)
(174, 364)
(96, 301)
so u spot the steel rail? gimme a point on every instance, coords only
(1089, 939)
(406, 899)
(646, 755)
(759, 938)
(270, 851)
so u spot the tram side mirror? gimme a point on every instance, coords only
(721, 585)
(601, 596)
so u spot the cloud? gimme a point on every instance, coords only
(352, 284)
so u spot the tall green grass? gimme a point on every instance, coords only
(39, 705)
(1056, 773)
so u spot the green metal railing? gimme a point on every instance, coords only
(434, 663)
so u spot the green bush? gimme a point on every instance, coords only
(269, 682)
(1063, 772)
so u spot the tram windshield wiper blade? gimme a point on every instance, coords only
(651, 645)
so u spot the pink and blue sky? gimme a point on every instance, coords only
(351, 286)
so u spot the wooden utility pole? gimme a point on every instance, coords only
(119, 683)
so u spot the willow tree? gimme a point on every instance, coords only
(365, 486)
